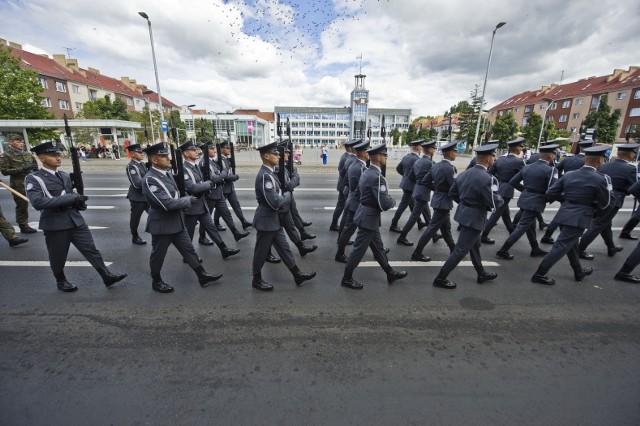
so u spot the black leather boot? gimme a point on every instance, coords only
(260, 284)
(304, 250)
(442, 282)
(160, 286)
(237, 235)
(300, 276)
(108, 278)
(228, 252)
(541, 277)
(63, 284)
(393, 276)
(204, 278)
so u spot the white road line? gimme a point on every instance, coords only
(106, 189)
(35, 226)
(109, 196)
(100, 207)
(45, 263)
(409, 264)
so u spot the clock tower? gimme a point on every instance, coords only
(359, 108)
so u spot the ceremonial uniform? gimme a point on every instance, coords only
(18, 163)
(229, 191)
(439, 179)
(475, 191)
(166, 223)
(51, 192)
(340, 188)
(582, 192)
(374, 199)
(404, 168)
(624, 274)
(135, 173)
(345, 190)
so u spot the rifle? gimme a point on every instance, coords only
(206, 164)
(289, 146)
(279, 127)
(219, 156)
(383, 130)
(232, 155)
(177, 167)
(203, 134)
(76, 175)
(281, 166)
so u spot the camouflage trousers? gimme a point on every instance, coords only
(6, 229)
(22, 207)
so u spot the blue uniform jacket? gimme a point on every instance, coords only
(536, 178)
(440, 179)
(504, 168)
(56, 212)
(270, 200)
(135, 172)
(374, 198)
(404, 167)
(418, 172)
(165, 203)
(475, 192)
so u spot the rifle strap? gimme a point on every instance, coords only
(45, 191)
(175, 196)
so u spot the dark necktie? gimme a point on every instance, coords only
(59, 176)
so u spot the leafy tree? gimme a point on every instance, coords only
(174, 120)
(504, 129)
(412, 134)
(152, 127)
(20, 95)
(531, 130)
(604, 121)
(105, 109)
(395, 136)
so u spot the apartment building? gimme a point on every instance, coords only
(568, 104)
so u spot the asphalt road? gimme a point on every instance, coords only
(506, 352)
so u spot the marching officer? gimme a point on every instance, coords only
(536, 178)
(136, 169)
(475, 191)
(504, 169)
(421, 193)
(229, 190)
(439, 179)
(198, 211)
(266, 221)
(374, 199)
(51, 192)
(342, 172)
(624, 274)
(18, 163)
(622, 175)
(345, 180)
(582, 192)
(404, 168)
(166, 223)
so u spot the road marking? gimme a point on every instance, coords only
(100, 207)
(109, 196)
(105, 189)
(35, 226)
(45, 263)
(409, 264)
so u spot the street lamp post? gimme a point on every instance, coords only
(155, 68)
(500, 25)
(193, 122)
(544, 120)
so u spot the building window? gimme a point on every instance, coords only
(43, 83)
(576, 115)
(93, 95)
(637, 94)
(552, 106)
(527, 109)
(75, 88)
(137, 101)
(563, 118)
(517, 109)
(78, 105)
(595, 102)
(541, 107)
(634, 112)
(46, 102)
(579, 101)
(573, 130)
(566, 104)
(60, 87)
(63, 104)
(621, 96)
(129, 101)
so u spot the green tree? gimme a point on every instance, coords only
(531, 130)
(395, 136)
(20, 95)
(412, 134)
(604, 121)
(105, 109)
(504, 129)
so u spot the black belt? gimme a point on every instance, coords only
(535, 191)
(473, 206)
(371, 206)
(581, 203)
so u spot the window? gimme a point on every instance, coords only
(75, 88)
(60, 87)
(576, 115)
(78, 105)
(566, 104)
(595, 102)
(527, 109)
(43, 83)
(129, 101)
(46, 102)
(63, 104)
(634, 112)
(579, 101)
(552, 106)
(517, 109)
(563, 118)
(636, 95)
(93, 95)
(621, 96)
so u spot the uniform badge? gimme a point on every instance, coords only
(53, 144)
(383, 188)
(29, 186)
(153, 188)
(133, 172)
(186, 176)
(268, 185)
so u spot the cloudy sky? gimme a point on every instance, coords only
(425, 55)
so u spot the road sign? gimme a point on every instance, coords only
(163, 125)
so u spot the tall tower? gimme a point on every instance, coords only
(359, 108)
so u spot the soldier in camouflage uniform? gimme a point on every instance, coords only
(7, 231)
(18, 163)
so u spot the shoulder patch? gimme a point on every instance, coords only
(29, 186)
(133, 171)
(186, 176)
(268, 185)
(153, 188)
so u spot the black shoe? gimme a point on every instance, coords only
(421, 225)
(246, 225)
(486, 276)
(16, 241)
(161, 287)
(351, 283)
(204, 241)
(261, 285)
(335, 228)
(273, 259)
(627, 236)
(220, 228)
(66, 286)
(486, 240)
(394, 276)
(396, 229)
(304, 250)
(205, 278)
(542, 279)
(623, 276)
(110, 279)
(586, 256)
(350, 242)
(302, 277)
(538, 252)
(305, 224)
(542, 226)
(437, 237)
(305, 236)
(419, 257)
(386, 250)
(504, 254)
(27, 230)
(444, 283)
(404, 242)
(228, 252)
(342, 258)
(547, 240)
(240, 235)
(185, 260)
(138, 241)
(584, 272)
(611, 251)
